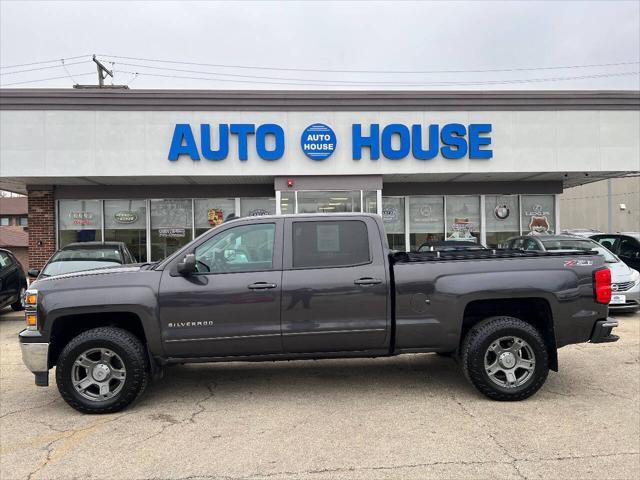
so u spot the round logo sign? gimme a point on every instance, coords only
(501, 212)
(318, 141)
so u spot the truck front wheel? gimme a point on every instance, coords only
(505, 358)
(102, 370)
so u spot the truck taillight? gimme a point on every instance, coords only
(602, 285)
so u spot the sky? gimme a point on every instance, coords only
(323, 45)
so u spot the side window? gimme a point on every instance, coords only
(245, 248)
(5, 260)
(608, 242)
(629, 248)
(330, 244)
(531, 245)
(516, 244)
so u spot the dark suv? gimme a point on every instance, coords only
(624, 245)
(13, 282)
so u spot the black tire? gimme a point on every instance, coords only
(126, 346)
(480, 338)
(17, 305)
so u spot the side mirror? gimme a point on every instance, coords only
(33, 272)
(188, 265)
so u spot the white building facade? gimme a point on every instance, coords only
(157, 168)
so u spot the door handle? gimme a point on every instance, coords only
(261, 286)
(368, 281)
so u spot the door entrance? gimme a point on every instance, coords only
(338, 201)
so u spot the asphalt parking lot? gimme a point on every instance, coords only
(405, 417)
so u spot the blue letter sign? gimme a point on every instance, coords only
(395, 141)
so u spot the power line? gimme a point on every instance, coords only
(399, 84)
(42, 68)
(44, 61)
(46, 79)
(313, 81)
(490, 70)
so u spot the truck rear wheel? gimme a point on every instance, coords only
(102, 370)
(505, 358)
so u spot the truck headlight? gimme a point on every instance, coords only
(31, 309)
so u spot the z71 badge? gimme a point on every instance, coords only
(578, 263)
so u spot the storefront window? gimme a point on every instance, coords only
(463, 218)
(426, 220)
(256, 206)
(287, 203)
(170, 227)
(211, 212)
(370, 201)
(502, 219)
(538, 214)
(126, 221)
(393, 219)
(328, 202)
(79, 221)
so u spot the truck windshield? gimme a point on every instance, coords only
(578, 244)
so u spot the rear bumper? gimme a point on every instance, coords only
(602, 331)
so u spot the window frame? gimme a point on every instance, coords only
(172, 261)
(307, 219)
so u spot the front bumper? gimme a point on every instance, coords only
(602, 331)
(35, 356)
(632, 300)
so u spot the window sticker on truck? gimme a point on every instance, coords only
(578, 263)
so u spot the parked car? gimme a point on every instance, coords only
(625, 281)
(449, 246)
(81, 256)
(581, 232)
(310, 287)
(625, 245)
(13, 282)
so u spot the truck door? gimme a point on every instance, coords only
(334, 286)
(231, 305)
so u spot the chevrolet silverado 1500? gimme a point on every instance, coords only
(311, 287)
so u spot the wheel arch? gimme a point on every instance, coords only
(66, 327)
(533, 310)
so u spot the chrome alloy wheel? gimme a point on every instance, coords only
(509, 362)
(98, 374)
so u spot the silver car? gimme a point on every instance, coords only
(625, 281)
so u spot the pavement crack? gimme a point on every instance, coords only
(200, 403)
(22, 410)
(493, 438)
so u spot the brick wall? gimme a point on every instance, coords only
(42, 225)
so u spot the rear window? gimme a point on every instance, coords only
(330, 244)
(578, 244)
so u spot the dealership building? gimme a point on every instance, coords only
(155, 168)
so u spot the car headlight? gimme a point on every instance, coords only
(635, 276)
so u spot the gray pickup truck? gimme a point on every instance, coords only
(310, 287)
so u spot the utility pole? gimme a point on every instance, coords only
(102, 71)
